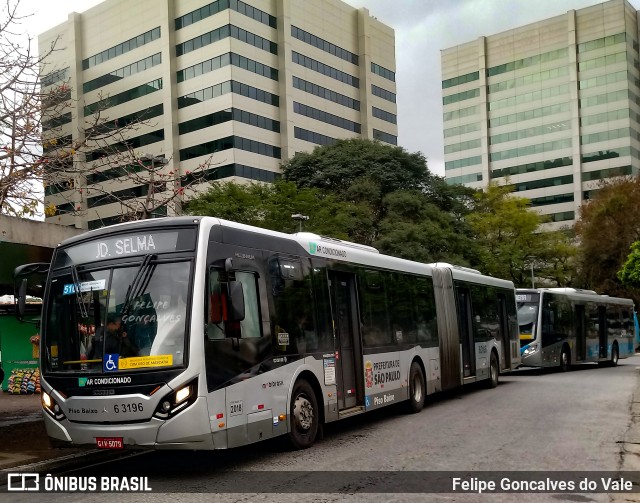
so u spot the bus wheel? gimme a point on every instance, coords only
(494, 372)
(565, 360)
(615, 355)
(304, 415)
(417, 388)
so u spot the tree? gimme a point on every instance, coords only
(629, 275)
(607, 227)
(270, 206)
(37, 148)
(364, 173)
(417, 229)
(21, 160)
(511, 242)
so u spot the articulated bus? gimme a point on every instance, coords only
(560, 327)
(199, 333)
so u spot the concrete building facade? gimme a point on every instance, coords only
(552, 107)
(244, 86)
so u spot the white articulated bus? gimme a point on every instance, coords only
(199, 333)
(560, 327)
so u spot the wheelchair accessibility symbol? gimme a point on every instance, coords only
(110, 362)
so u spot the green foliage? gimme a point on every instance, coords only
(271, 206)
(417, 229)
(607, 227)
(510, 242)
(629, 275)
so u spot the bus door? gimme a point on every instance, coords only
(344, 311)
(465, 324)
(505, 334)
(602, 330)
(581, 340)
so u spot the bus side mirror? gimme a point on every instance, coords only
(236, 298)
(22, 299)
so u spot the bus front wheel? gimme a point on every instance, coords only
(304, 414)
(494, 371)
(417, 388)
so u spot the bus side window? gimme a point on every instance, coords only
(216, 308)
(219, 325)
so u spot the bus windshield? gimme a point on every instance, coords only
(527, 319)
(117, 319)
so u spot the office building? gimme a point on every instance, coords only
(552, 107)
(240, 85)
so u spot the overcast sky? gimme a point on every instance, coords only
(422, 27)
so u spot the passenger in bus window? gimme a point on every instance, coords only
(113, 338)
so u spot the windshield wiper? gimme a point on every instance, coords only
(139, 283)
(76, 288)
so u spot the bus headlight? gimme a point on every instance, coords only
(532, 348)
(51, 406)
(177, 401)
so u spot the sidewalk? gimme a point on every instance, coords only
(23, 439)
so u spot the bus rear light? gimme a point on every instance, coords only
(282, 417)
(220, 425)
(219, 416)
(176, 401)
(261, 406)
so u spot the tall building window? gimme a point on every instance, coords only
(385, 137)
(219, 6)
(230, 86)
(312, 136)
(122, 48)
(383, 72)
(123, 97)
(225, 31)
(327, 94)
(327, 70)
(229, 58)
(121, 73)
(323, 116)
(323, 45)
(460, 79)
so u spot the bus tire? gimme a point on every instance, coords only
(304, 414)
(565, 359)
(615, 355)
(494, 371)
(417, 388)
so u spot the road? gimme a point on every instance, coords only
(534, 420)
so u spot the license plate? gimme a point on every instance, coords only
(109, 442)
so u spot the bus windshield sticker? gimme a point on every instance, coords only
(329, 371)
(138, 362)
(85, 286)
(283, 339)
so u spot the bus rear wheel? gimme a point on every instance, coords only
(494, 372)
(304, 414)
(565, 360)
(417, 388)
(615, 355)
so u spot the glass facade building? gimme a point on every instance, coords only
(551, 107)
(230, 88)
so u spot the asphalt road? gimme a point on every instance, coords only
(535, 420)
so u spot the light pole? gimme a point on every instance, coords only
(159, 160)
(299, 217)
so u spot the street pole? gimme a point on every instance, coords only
(532, 282)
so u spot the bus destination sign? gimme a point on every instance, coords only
(125, 245)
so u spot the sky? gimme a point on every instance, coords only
(422, 29)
